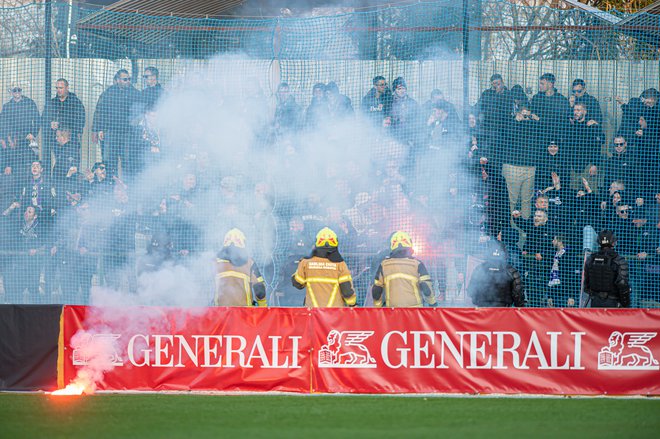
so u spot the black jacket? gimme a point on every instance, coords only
(69, 112)
(151, 95)
(376, 109)
(117, 109)
(19, 119)
(584, 144)
(554, 113)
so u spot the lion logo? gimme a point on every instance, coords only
(345, 349)
(96, 348)
(627, 351)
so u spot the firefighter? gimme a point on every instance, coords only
(606, 275)
(401, 278)
(325, 275)
(238, 281)
(496, 283)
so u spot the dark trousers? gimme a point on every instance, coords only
(120, 144)
(597, 302)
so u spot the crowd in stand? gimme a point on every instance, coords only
(538, 174)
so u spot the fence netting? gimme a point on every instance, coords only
(152, 136)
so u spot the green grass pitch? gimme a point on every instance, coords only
(322, 416)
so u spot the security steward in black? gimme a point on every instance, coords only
(496, 283)
(606, 275)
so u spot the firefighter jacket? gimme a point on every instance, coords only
(402, 281)
(238, 282)
(327, 280)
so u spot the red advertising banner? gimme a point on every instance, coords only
(365, 350)
(247, 349)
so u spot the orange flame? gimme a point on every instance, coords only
(75, 388)
(71, 389)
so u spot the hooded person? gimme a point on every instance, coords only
(237, 280)
(495, 282)
(325, 275)
(402, 280)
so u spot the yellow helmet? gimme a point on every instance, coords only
(236, 237)
(400, 239)
(326, 238)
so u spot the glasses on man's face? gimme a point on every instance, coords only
(619, 144)
(125, 79)
(146, 76)
(16, 90)
(577, 91)
(381, 84)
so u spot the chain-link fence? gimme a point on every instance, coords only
(158, 134)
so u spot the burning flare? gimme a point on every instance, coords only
(82, 384)
(71, 389)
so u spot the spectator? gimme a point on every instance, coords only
(552, 108)
(519, 155)
(357, 215)
(38, 192)
(641, 121)
(19, 128)
(67, 156)
(584, 139)
(444, 132)
(580, 96)
(404, 114)
(562, 283)
(552, 176)
(377, 103)
(538, 249)
(149, 151)
(100, 185)
(519, 98)
(438, 97)
(152, 90)
(115, 121)
(643, 239)
(65, 109)
(20, 119)
(29, 240)
(317, 111)
(287, 111)
(621, 166)
(494, 105)
(339, 105)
